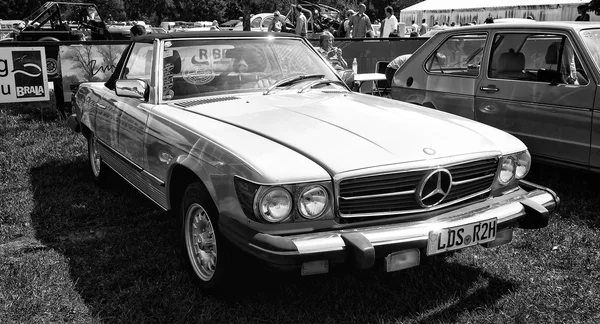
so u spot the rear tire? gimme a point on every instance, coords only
(97, 166)
(205, 250)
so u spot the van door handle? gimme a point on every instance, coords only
(489, 88)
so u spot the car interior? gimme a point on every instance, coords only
(538, 58)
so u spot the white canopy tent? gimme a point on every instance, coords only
(466, 11)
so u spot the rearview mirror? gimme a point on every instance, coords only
(131, 88)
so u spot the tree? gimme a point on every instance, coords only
(83, 59)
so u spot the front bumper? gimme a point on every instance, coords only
(528, 207)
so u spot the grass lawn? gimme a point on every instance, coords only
(71, 251)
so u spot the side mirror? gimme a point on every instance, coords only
(131, 88)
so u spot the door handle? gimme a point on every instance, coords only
(489, 88)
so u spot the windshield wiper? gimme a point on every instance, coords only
(292, 80)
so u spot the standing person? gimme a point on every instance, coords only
(300, 22)
(345, 30)
(361, 23)
(415, 27)
(389, 24)
(423, 28)
(393, 66)
(275, 25)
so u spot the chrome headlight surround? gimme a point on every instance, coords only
(507, 170)
(313, 201)
(275, 204)
(511, 169)
(523, 164)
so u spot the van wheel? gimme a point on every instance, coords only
(204, 248)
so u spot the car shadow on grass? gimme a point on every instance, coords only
(125, 264)
(578, 190)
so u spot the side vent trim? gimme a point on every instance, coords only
(195, 102)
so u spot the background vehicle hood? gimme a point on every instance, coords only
(347, 131)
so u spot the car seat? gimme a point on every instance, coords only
(551, 58)
(511, 65)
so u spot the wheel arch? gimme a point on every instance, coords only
(180, 177)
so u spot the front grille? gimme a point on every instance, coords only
(394, 193)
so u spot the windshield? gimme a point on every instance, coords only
(195, 68)
(591, 39)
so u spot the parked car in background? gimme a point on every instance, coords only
(261, 22)
(536, 80)
(157, 30)
(232, 25)
(57, 21)
(255, 144)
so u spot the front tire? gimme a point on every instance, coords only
(204, 248)
(97, 166)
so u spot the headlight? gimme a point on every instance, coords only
(275, 205)
(523, 164)
(313, 202)
(507, 170)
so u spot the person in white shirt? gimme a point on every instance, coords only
(394, 65)
(414, 27)
(389, 24)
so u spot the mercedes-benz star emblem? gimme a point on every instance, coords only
(434, 187)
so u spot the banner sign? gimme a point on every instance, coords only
(85, 63)
(23, 74)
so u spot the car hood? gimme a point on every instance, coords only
(347, 131)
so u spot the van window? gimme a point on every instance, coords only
(544, 58)
(458, 55)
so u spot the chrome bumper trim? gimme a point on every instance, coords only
(506, 211)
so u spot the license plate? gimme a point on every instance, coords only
(454, 238)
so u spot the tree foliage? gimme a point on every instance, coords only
(155, 11)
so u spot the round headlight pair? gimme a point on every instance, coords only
(514, 167)
(276, 203)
